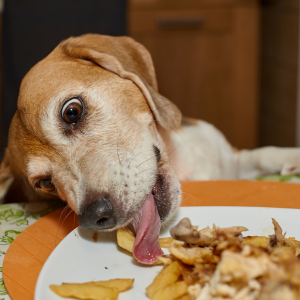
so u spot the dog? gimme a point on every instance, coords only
(92, 130)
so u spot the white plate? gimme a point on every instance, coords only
(78, 259)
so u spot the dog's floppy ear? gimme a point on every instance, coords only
(6, 177)
(130, 60)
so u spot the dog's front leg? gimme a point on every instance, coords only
(268, 161)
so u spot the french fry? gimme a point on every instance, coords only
(171, 292)
(167, 276)
(166, 242)
(165, 259)
(85, 291)
(185, 297)
(126, 238)
(257, 241)
(122, 284)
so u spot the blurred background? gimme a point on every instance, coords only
(233, 63)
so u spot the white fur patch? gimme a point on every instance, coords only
(38, 166)
(201, 152)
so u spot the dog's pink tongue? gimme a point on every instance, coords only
(147, 226)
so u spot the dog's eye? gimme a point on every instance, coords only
(46, 184)
(72, 111)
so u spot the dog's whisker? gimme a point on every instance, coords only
(61, 214)
(142, 152)
(175, 148)
(146, 160)
(190, 196)
(160, 122)
(62, 224)
(128, 166)
(136, 157)
(64, 210)
(185, 192)
(181, 169)
(146, 170)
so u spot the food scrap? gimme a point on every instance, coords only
(209, 264)
(93, 290)
(126, 239)
(95, 237)
(219, 264)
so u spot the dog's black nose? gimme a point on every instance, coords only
(97, 215)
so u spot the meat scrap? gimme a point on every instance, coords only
(184, 231)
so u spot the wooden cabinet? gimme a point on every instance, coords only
(206, 58)
(280, 74)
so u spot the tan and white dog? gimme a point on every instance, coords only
(92, 129)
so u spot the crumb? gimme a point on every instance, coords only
(75, 233)
(95, 237)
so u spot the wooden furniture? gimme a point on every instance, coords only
(279, 74)
(206, 57)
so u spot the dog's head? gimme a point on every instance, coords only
(87, 131)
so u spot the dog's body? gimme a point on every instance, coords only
(203, 153)
(92, 129)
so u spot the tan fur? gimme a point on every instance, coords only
(110, 151)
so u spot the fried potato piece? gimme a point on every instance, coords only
(166, 242)
(294, 243)
(273, 241)
(167, 276)
(122, 284)
(165, 259)
(257, 241)
(171, 292)
(125, 239)
(91, 291)
(185, 297)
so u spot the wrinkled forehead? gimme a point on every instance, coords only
(113, 104)
(63, 77)
(55, 80)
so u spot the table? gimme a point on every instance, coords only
(15, 218)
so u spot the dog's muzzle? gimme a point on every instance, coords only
(97, 215)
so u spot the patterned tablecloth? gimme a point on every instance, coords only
(14, 218)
